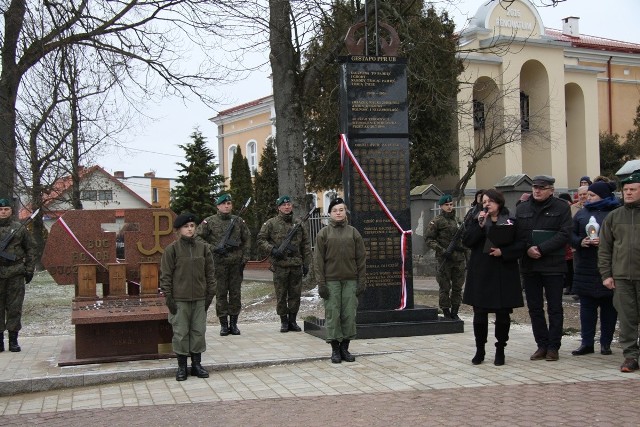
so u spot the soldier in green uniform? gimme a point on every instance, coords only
(16, 269)
(450, 275)
(229, 259)
(187, 279)
(289, 265)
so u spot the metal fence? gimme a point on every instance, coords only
(316, 222)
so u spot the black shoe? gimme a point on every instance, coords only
(479, 357)
(446, 312)
(582, 350)
(1, 342)
(605, 350)
(293, 326)
(335, 352)
(344, 352)
(181, 374)
(284, 323)
(196, 368)
(224, 326)
(233, 325)
(454, 312)
(13, 342)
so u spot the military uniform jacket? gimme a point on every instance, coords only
(619, 251)
(213, 229)
(186, 270)
(21, 245)
(339, 254)
(440, 232)
(273, 233)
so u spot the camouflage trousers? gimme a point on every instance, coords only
(450, 281)
(288, 285)
(228, 284)
(189, 326)
(11, 300)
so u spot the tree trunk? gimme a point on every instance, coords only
(285, 66)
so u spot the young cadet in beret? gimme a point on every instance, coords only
(229, 260)
(339, 264)
(450, 274)
(187, 279)
(619, 266)
(288, 266)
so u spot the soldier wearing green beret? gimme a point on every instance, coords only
(619, 266)
(450, 275)
(290, 265)
(17, 263)
(229, 260)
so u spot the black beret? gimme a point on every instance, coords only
(184, 218)
(336, 201)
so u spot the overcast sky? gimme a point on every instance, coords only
(156, 147)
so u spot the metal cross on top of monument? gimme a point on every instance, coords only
(374, 147)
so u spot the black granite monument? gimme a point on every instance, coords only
(374, 122)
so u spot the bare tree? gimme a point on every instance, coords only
(145, 39)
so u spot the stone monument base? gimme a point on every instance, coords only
(417, 321)
(115, 330)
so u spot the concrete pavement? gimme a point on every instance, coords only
(265, 377)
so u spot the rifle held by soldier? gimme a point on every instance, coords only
(5, 242)
(454, 242)
(227, 243)
(286, 248)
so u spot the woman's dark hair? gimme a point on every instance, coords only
(475, 198)
(495, 196)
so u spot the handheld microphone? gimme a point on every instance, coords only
(482, 218)
(485, 209)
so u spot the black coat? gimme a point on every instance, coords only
(493, 283)
(552, 215)
(586, 277)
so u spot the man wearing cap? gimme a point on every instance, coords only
(17, 263)
(450, 274)
(544, 223)
(289, 265)
(229, 259)
(585, 181)
(619, 266)
(188, 282)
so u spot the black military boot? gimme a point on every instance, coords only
(196, 368)
(233, 325)
(446, 313)
(499, 359)
(454, 312)
(181, 374)
(344, 351)
(1, 342)
(13, 342)
(293, 326)
(335, 352)
(284, 323)
(224, 326)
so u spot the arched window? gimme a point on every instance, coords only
(252, 156)
(232, 152)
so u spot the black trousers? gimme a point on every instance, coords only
(537, 288)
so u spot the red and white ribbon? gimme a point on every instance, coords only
(344, 149)
(66, 228)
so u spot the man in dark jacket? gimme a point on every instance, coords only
(16, 269)
(544, 223)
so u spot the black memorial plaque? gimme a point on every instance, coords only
(374, 116)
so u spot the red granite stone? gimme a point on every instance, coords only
(131, 236)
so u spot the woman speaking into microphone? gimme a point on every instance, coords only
(493, 278)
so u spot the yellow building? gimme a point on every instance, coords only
(544, 93)
(548, 92)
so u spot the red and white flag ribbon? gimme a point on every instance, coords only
(73, 236)
(344, 149)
